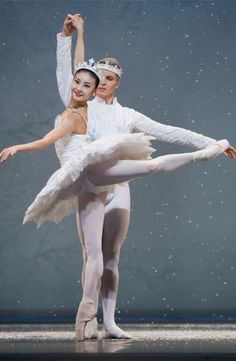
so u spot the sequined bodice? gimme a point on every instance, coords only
(72, 144)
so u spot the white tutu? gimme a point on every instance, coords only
(59, 197)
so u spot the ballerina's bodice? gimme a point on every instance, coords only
(70, 145)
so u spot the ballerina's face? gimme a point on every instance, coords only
(109, 82)
(83, 86)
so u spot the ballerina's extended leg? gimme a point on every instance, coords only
(113, 172)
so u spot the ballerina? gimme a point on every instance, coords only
(107, 116)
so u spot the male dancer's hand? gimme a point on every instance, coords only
(68, 27)
(231, 153)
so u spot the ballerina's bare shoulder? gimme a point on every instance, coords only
(79, 116)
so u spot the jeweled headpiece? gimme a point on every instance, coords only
(107, 66)
(90, 65)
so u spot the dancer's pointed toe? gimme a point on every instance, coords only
(224, 143)
(211, 151)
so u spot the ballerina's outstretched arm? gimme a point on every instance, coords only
(67, 126)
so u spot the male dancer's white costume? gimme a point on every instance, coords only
(106, 119)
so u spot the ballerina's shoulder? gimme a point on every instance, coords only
(77, 118)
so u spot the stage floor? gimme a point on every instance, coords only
(150, 342)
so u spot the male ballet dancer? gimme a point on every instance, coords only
(107, 116)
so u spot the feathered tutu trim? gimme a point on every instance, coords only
(59, 197)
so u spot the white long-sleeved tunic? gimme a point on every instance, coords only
(104, 119)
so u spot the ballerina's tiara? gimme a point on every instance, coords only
(107, 66)
(90, 65)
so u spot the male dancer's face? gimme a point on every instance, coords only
(108, 85)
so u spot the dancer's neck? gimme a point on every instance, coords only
(77, 105)
(107, 100)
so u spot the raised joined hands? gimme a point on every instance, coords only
(72, 23)
(78, 22)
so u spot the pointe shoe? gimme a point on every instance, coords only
(114, 332)
(211, 151)
(86, 314)
(91, 329)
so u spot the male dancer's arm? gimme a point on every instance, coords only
(64, 66)
(171, 134)
(168, 133)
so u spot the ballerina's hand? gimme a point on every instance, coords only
(78, 22)
(8, 152)
(231, 152)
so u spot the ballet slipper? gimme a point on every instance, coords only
(114, 332)
(211, 151)
(86, 314)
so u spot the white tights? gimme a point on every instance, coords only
(113, 172)
(102, 228)
(105, 245)
(116, 223)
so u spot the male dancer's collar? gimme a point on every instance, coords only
(102, 101)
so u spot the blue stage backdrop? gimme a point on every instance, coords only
(178, 261)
